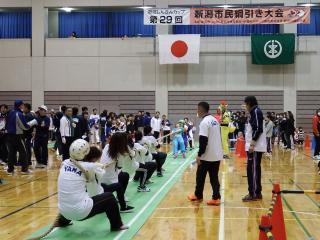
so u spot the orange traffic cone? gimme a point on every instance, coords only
(265, 224)
(243, 153)
(277, 219)
(307, 142)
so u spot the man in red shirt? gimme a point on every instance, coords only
(316, 133)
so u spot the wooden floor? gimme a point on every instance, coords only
(28, 203)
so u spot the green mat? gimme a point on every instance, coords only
(144, 203)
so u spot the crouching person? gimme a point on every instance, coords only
(74, 201)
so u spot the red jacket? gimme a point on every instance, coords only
(315, 123)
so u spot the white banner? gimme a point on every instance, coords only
(167, 16)
(179, 48)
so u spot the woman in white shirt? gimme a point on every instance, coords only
(74, 201)
(120, 159)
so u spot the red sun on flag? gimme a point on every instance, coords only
(179, 48)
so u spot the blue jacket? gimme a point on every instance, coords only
(16, 122)
(256, 122)
(42, 129)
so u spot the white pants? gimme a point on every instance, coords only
(94, 137)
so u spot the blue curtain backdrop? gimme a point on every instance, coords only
(225, 30)
(314, 27)
(103, 24)
(15, 24)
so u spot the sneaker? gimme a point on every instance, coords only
(38, 165)
(175, 156)
(149, 181)
(258, 196)
(143, 189)
(28, 172)
(249, 198)
(126, 199)
(194, 198)
(183, 155)
(127, 209)
(315, 157)
(2, 162)
(10, 173)
(123, 227)
(213, 202)
(159, 174)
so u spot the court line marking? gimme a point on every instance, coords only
(7, 189)
(229, 218)
(254, 208)
(221, 222)
(306, 194)
(29, 205)
(304, 229)
(118, 237)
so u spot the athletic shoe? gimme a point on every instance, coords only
(123, 227)
(159, 174)
(126, 199)
(315, 157)
(249, 198)
(2, 162)
(28, 172)
(194, 198)
(183, 155)
(175, 156)
(143, 189)
(213, 202)
(258, 196)
(149, 181)
(10, 173)
(127, 209)
(38, 165)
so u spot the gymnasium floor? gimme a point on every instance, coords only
(29, 203)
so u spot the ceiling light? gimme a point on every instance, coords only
(144, 7)
(225, 6)
(309, 4)
(67, 9)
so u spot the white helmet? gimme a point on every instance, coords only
(79, 149)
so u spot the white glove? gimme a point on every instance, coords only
(132, 153)
(64, 141)
(33, 123)
(84, 136)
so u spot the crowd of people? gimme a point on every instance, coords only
(23, 130)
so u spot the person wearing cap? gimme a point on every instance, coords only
(16, 124)
(41, 138)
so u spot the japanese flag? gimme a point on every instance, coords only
(180, 48)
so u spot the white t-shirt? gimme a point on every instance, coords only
(94, 187)
(261, 144)
(150, 142)
(95, 117)
(110, 173)
(142, 153)
(74, 201)
(210, 127)
(155, 124)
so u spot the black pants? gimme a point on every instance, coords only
(3, 148)
(104, 202)
(41, 150)
(150, 167)
(166, 139)
(123, 179)
(288, 140)
(116, 187)
(28, 145)
(58, 143)
(254, 173)
(213, 169)
(65, 148)
(160, 158)
(156, 134)
(317, 147)
(16, 144)
(269, 145)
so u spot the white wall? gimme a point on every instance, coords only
(132, 64)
